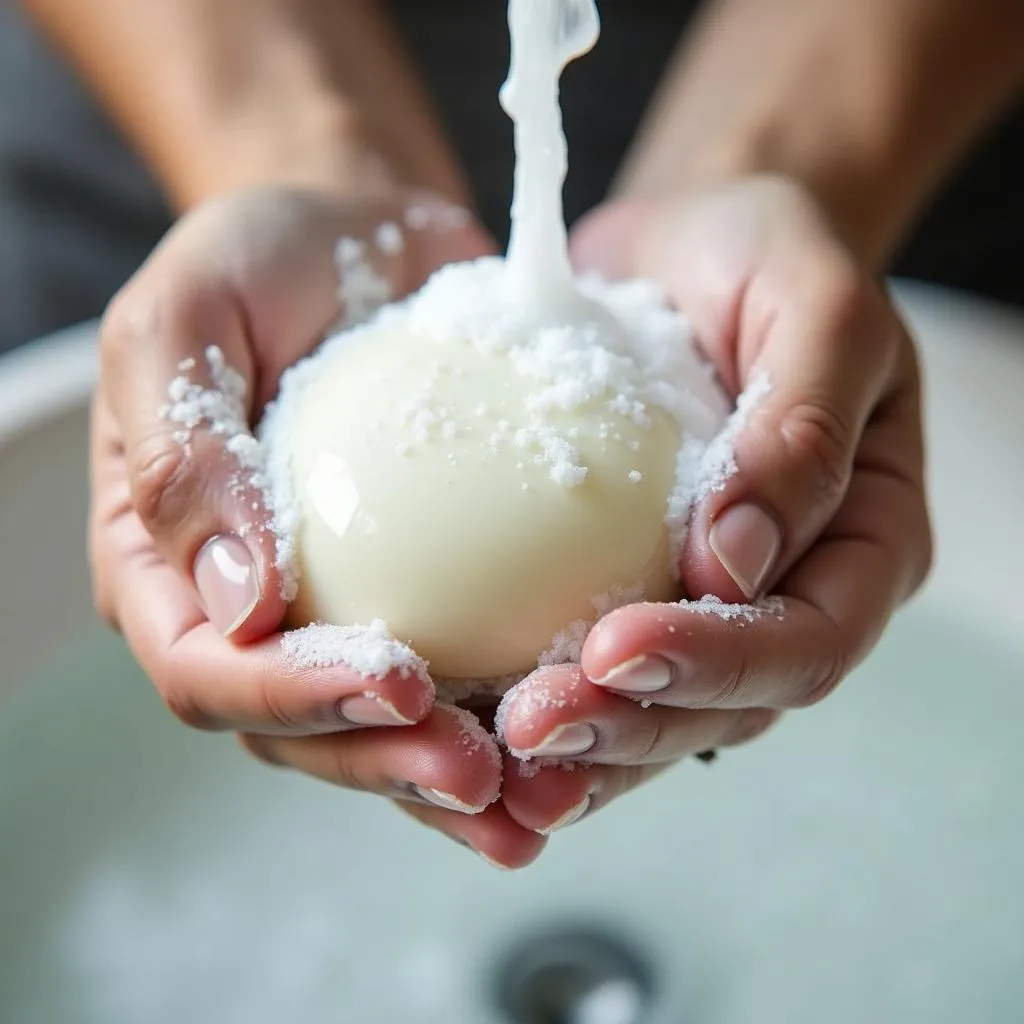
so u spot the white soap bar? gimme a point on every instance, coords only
(431, 496)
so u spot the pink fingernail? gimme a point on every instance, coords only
(363, 710)
(570, 817)
(647, 673)
(448, 801)
(491, 861)
(566, 741)
(747, 542)
(228, 584)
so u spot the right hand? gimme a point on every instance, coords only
(179, 563)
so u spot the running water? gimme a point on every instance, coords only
(545, 36)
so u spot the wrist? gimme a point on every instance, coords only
(858, 182)
(857, 102)
(317, 143)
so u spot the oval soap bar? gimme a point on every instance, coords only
(432, 493)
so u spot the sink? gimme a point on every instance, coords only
(860, 863)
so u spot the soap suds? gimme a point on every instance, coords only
(371, 651)
(703, 469)
(567, 645)
(221, 410)
(460, 691)
(637, 357)
(562, 459)
(473, 736)
(711, 605)
(362, 290)
(533, 695)
(389, 238)
(437, 214)
(530, 768)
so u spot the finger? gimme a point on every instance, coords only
(559, 713)
(211, 683)
(547, 798)
(871, 557)
(493, 835)
(777, 298)
(830, 352)
(447, 761)
(176, 372)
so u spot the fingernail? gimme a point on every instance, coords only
(491, 861)
(449, 802)
(572, 815)
(747, 542)
(363, 710)
(228, 585)
(647, 673)
(565, 741)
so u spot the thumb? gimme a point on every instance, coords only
(177, 373)
(829, 355)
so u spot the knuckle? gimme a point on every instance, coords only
(853, 312)
(274, 704)
(650, 742)
(822, 443)
(844, 294)
(119, 325)
(162, 486)
(174, 681)
(343, 770)
(154, 304)
(736, 681)
(182, 703)
(836, 669)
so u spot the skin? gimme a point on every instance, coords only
(766, 212)
(220, 95)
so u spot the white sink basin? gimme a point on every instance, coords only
(861, 863)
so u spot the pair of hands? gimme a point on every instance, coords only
(827, 509)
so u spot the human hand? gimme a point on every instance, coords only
(827, 509)
(179, 562)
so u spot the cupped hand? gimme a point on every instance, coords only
(827, 510)
(180, 562)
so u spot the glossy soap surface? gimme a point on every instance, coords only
(419, 507)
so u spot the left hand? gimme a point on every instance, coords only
(827, 509)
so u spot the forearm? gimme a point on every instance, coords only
(218, 94)
(868, 102)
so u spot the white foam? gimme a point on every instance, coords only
(220, 408)
(371, 651)
(533, 695)
(389, 238)
(363, 290)
(711, 605)
(473, 736)
(703, 469)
